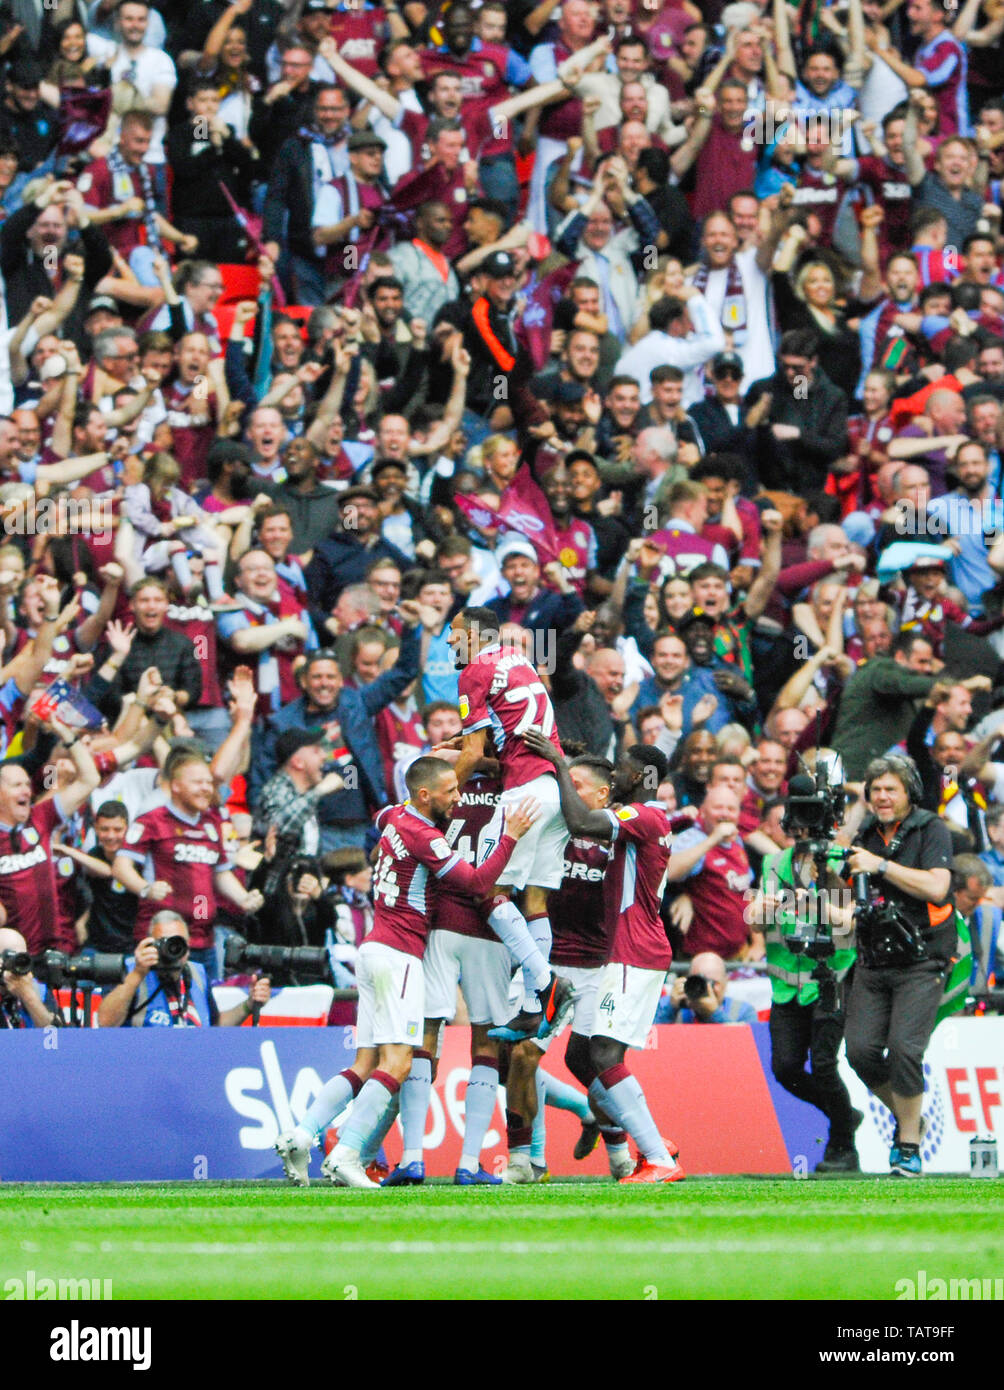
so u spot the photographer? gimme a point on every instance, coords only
(806, 1015)
(700, 997)
(21, 1004)
(165, 989)
(906, 936)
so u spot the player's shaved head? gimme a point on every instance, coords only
(425, 772)
(486, 619)
(645, 757)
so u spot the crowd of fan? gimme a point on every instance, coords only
(674, 334)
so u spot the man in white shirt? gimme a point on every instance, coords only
(142, 76)
(683, 333)
(734, 283)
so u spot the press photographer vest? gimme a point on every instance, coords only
(151, 1008)
(790, 975)
(942, 931)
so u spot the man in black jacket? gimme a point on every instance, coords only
(801, 426)
(719, 418)
(34, 240)
(346, 557)
(285, 107)
(202, 153)
(155, 644)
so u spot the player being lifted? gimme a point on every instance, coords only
(412, 849)
(502, 694)
(631, 982)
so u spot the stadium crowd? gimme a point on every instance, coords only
(669, 336)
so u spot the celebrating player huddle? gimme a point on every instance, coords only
(586, 856)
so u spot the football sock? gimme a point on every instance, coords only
(213, 574)
(371, 1148)
(613, 1138)
(368, 1111)
(479, 1106)
(518, 1133)
(540, 930)
(565, 1097)
(182, 570)
(621, 1096)
(415, 1106)
(538, 1143)
(329, 1102)
(512, 929)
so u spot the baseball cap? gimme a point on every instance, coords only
(102, 301)
(568, 392)
(927, 562)
(516, 546)
(498, 265)
(293, 740)
(355, 494)
(313, 6)
(581, 456)
(723, 360)
(366, 140)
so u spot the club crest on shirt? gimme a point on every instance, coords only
(30, 835)
(134, 833)
(464, 707)
(626, 813)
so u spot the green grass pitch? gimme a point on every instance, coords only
(721, 1238)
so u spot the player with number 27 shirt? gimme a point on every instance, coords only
(502, 695)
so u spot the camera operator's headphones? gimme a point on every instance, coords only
(896, 765)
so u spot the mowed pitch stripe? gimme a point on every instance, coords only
(254, 1249)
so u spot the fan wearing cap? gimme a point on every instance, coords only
(539, 610)
(926, 606)
(346, 208)
(346, 557)
(718, 417)
(488, 326)
(289, 800)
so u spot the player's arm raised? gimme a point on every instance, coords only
(472, 750)
(595, 825)
(481, 880)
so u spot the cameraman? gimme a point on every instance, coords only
(807, 1020)
(21, 1005)
(906, 936)
(171, 993)
(699, 997)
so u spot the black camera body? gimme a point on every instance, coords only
(886, 938)
(695, 987)
(171, 951)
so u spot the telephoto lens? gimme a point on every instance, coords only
(15, 963)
